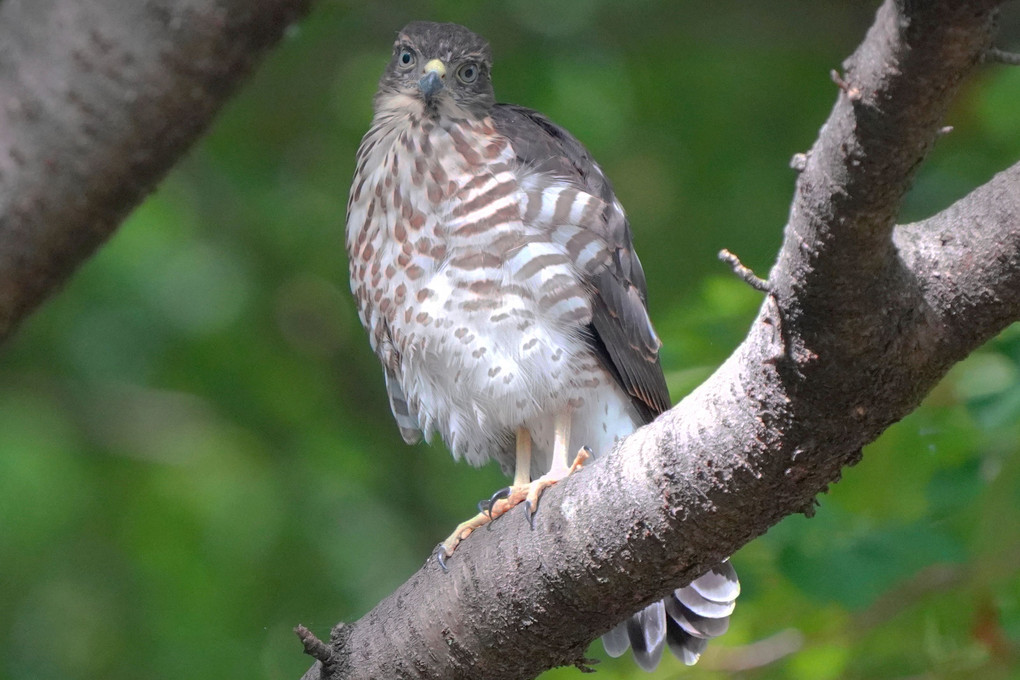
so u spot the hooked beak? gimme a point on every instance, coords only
(432, 81)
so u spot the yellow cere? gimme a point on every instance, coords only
(437, 66)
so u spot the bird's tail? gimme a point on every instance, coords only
(684, 621)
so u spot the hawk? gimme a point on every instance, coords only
(494, 271)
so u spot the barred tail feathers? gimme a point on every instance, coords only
(685, 621)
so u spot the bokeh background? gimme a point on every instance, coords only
(196, 451)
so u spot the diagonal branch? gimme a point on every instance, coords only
(860, 322)
(98, 99)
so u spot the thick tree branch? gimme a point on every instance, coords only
(859, 323)
(98, 99)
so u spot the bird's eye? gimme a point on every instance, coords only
(468, 73)
(406, 58)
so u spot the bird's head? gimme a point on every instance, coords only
(438, 68)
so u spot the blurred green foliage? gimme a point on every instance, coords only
(196, 452)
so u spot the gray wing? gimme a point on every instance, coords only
(404, 411)
(620, 331)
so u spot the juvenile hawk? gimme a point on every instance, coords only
(494, 271)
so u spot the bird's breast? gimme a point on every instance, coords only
(483, 308)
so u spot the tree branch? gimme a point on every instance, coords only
(860, 322)
(98, 99)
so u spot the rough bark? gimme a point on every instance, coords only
(98, 99)
(861, 319)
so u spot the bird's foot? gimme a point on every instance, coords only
(488, 510)
(538, 487)
(463, 530)
(506, 499)
(503, 500)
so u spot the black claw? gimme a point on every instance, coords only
(588, 450)
(530, 513)
(486, 505)
(441, 555)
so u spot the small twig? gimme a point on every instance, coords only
(995, 55)
(852, 93)
(757, 654)
(745, 273)
(314, 647)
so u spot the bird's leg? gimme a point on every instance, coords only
(501, 501)
(523, 489)
(509, 496)
(561, 465)
(522, 465)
